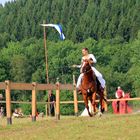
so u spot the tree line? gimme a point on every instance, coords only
(80, 19)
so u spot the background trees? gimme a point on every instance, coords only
(80, 19)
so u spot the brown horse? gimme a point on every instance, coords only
(90, 86)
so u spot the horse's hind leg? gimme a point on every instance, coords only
(102, 103)
(94, 102)
(86, 104)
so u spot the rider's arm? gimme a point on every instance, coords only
(116, 95)
(92, 59)
(78, 66)
(123, 93)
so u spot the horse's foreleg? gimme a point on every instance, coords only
(86, 105)
(94, 101)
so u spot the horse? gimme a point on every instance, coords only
(90, 87)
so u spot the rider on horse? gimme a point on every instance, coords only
(92, 60)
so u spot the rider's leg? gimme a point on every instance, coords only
(79, 80)
(100, 77)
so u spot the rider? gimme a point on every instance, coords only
(92, 60)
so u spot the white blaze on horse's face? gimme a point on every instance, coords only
(83, 64)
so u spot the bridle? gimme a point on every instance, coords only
(86, 70)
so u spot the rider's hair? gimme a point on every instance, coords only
(86, 49)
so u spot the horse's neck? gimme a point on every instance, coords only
(88, 77)
(88, 80)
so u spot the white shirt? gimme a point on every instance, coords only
(116, 94)
(89, 56)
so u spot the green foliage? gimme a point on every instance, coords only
(41, 108)
(66, 109)
(26, 109)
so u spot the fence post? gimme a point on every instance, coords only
(34, 102)
(8, 102)
(49, 110)
(46, 108)
(58, 101)
(75, 97)
(105, 96)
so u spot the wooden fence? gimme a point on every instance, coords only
(34, 87)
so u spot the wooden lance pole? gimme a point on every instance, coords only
(47, 71)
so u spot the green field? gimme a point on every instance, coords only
(107, 127)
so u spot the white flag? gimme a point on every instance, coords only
(57, 27)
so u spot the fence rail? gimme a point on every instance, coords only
(29, 86)
(34, 87)
(70, 102)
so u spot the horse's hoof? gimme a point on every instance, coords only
(90, 115)
(99, 114)
(102, 110)
(94, 113)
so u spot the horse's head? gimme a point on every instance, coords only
(86, 67)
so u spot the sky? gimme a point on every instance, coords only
(3, 1)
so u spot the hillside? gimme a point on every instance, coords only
(80, 19)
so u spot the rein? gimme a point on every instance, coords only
(88, 71)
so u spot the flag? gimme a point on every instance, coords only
(58, 27)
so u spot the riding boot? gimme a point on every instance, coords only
(101, 89)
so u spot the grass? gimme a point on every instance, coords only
(107, 127)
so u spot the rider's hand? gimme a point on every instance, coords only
(90, 61)
(74, 66)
